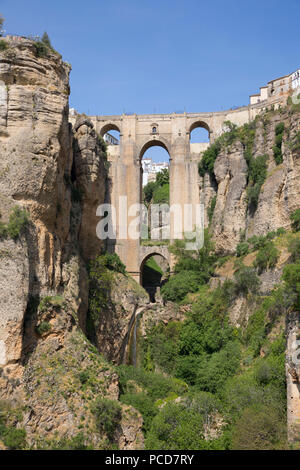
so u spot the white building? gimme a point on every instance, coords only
(151, 168)
(110, 139)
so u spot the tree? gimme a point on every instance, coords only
(46, 39)
(1, 25)
(162, 177)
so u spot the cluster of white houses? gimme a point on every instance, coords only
(151, 168)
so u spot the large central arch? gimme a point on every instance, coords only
(152, 142)
(172, 132)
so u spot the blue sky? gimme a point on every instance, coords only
(161, 56)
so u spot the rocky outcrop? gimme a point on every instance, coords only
(58, 175)
(279, 195)
(114, 325)
(90, 175)
(229, 218)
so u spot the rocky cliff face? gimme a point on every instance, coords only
(279, 195)
(58, 175)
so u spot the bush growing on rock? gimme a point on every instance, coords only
(3, 45)
(108, 414)
(266, 257)
(18, 220)
(246, 280)
(277, 148)
(242, 249)
(295, 218)
(43, 327)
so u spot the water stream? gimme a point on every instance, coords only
(132, 342)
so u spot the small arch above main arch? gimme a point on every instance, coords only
(199, 123)
(110, 126)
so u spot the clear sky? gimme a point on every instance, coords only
(161, 56)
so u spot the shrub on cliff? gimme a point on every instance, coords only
(108, 414)
(242, 249)
(211, 209)
(18, 220)
(41, 49)
(266, 257)
(13, 439)
(277, 148)
(295, 218)
(246, 280)
(208, 159)
(291, 276)
(112, 262)
(294, 249)
(3, 45)
(257, 175)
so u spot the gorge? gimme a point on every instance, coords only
(216, 354)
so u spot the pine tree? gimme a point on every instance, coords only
(46, 39)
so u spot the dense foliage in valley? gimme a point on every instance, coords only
(203, 383)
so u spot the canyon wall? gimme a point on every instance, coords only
(57, 173)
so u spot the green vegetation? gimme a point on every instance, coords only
(46, 39)
(208, 159)
(18, 220)
(235, 375)
(242, 249)
(143, 390)
(1, 25)
(43, 327)
(266, 257)
(161, 194)
(43, 47)
(246, 280)
(101, 275)
(257, 167)
(191, 269)
(257, 176)
(277, 148)
(210, 210)
(108, 414)
(112, 262)
(13, 438)
(158, 191)
(216, 370)
(50, 301)
(151, 274)
(3, 45)
(295, 218)
(245, 134)
(257, 242)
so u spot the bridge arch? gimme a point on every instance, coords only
(110, 126)
(197, 124)
(152, 143)
(154, 269)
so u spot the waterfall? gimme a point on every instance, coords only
(132, 342)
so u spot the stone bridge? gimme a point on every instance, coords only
(172, 132)
(147, 251)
